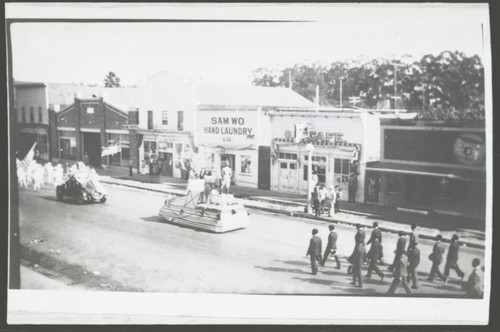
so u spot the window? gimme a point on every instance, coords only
(293, 166)
(284, 165)
(289, 156)
(40, 115)
(67, 146)
(150, 119)
(445, 189)
(124, 154)
(246, 163)
(150, 146)
(164, 118)
(395, 183)
(90, 110)
(180, 120)
(23, 114)
(32, 114)
(342, 166)
(318, 165)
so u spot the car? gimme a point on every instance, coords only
(83, 186)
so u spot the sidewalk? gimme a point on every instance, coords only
(470, 231)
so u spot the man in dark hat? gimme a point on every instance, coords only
(331, 247)
(373, 256)
(352, 187)
(473, 287)
(357, 257)
(400, 274)
(413, 262)
(413, 239)
(400, 248)
(452, 258)
(314, 251)
(376, 235)
(437, 258)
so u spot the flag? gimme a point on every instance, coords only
(111, 149)
(24, 164)
(300, 131)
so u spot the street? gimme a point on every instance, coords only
(124, 245)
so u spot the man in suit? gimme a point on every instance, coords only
(357, 259)
(473, 287)
(452, 258)
(400, 274)
(373, 256)
(400, 248)
(352, 187)
(413, 238)
(413, 262)
(359, 238)
(331, 247)
(376, 235)
(437, 258)
(314, 251)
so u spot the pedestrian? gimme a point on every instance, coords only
(331, 198)
(400, 274)
(377, 235)
(413, 262)
(437, 258)
(323, 194)
(473, 287)
(373, 257)
(207, 176)
(357, 259)
(400, 248)
(314, 179)
(452, 259)
(352, 187)
(331, 247)
(130, 167)
(316, 203)
(359, 239)
(338, 196)
(226, 177)
(86, 159)
(314, 251)
(413, 238)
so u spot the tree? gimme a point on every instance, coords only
(112, 81)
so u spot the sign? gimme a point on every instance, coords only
(227, 127)
(469, 149)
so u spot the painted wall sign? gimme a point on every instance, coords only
(233, 127)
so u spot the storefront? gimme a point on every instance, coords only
(238, 136)
(28, 134)
(165, 153)
(438, 167)
(343, 144)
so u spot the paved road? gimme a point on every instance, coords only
(124, 245)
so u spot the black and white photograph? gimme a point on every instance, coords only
(216, 163)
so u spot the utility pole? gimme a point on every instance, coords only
(396, 65)
(290, 80)
(341, 92)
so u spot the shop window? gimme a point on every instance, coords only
(288, 156)
(318, 165)
(342, 166)
(293, 166)
(150, 119)
(395, 183)
(23, 114)
(164, 118)
(246, 165)
(90, 110)
(285, 166)
(147, 147)
(32, 114)
(40, 115)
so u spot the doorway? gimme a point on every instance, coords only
(230, 159)
(92, 146)
(288, 176)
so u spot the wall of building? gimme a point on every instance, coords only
(35, 97)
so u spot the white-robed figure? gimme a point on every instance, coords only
(38, 172)
(49, 173)
(226, 177)
(58, 175)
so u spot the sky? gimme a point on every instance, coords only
(227, 53)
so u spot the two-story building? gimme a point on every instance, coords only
(430, 166)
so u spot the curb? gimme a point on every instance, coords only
(301, 214)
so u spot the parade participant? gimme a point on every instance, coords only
(452, 259)
(352, 187)
(437, 258)
(400, 274)
(207, 176)
(226, 177)
(413, 238)
(473, 287)
(373, 256)
(377, 235)
(338, 196)
(314, 251)
(359, 239)
(413, 261)
(400, 248)
(331, 247)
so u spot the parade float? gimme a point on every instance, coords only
(83, 184)
(216, 213)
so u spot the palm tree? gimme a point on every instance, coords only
(111, 80)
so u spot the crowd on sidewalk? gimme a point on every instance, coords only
(404, 267)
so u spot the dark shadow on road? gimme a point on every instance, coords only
(161, 220)
(279, 269)
(66, 200)
(154, 219)
(361, 291)
(325, 282)
(297, 263)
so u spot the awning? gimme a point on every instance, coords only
(459, 173)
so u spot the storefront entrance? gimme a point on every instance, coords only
(288, 176)
(92, 146)
(230, 159)
(167, 163)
